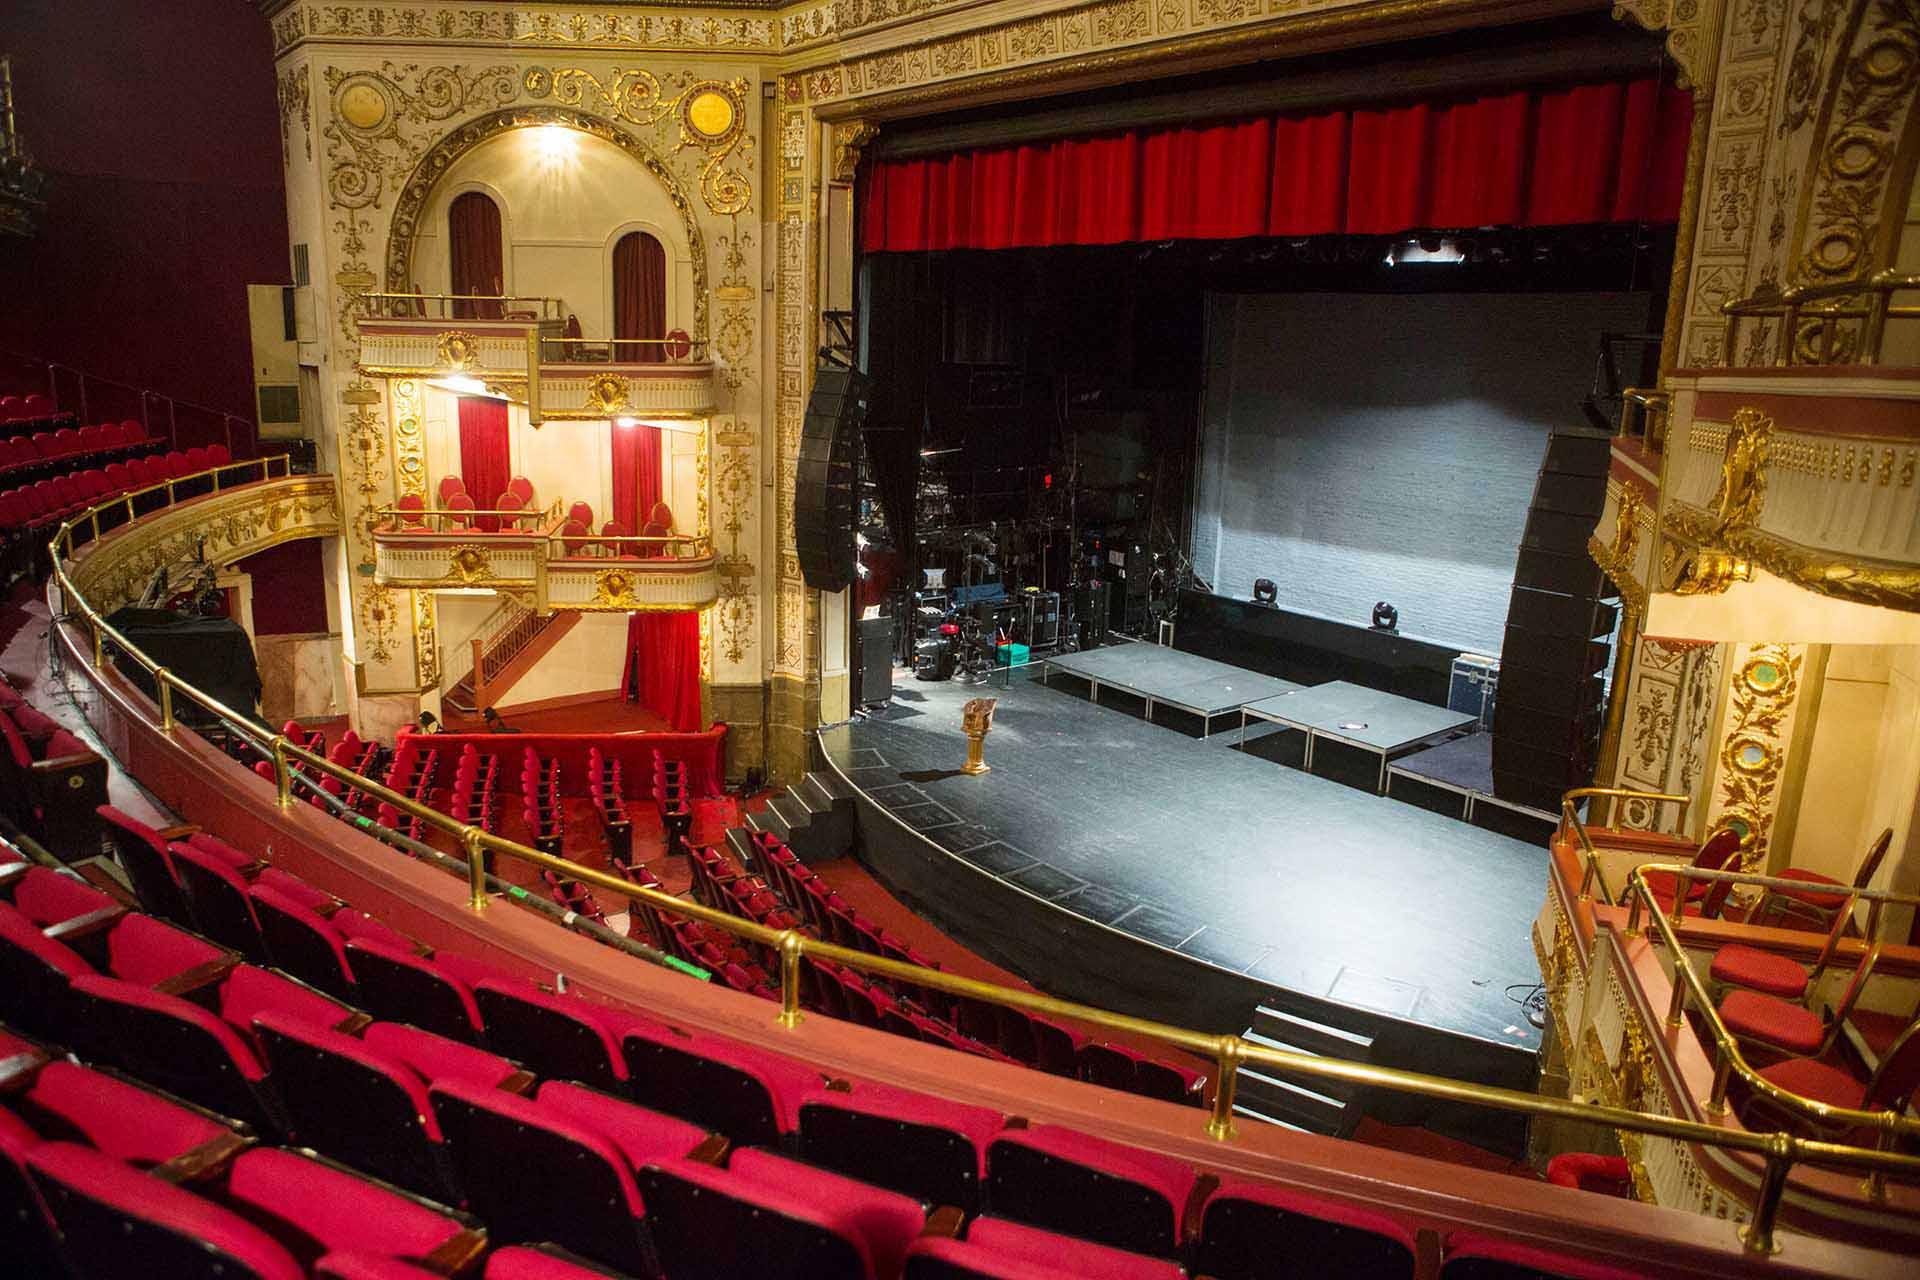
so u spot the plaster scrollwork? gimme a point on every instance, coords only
(734, 490)
(1766, 682)
(368, 147)
(296, 102)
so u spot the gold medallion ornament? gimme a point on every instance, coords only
(709, 114)
(457, 349)
(470, 565)
(612, 587)
(362, 105)
(607, 394)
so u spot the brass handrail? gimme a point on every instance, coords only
(1780, 1151)
(1792, 303)
(1570, 817)
(1732, 1061)
(700, 545)
(369, 305)
(1652, 406)
(572, 350)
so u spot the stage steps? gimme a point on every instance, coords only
(1300, 1101)
(811, 816)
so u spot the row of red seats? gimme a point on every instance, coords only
(474, 798)
(33, 404)
(642, 1147)
(607, 790)
(45, 503)
(50, 780)
(61, 443)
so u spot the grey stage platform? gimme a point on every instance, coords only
(1464, 767)
(1199, 686)
(1385, 724)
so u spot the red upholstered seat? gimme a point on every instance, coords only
(121, 1119)
(250, 991)
(1812, 1078)
(559, 1036)
(776, 1220)
(217, 896)
(176, 1045)
(46, 896)
(369, 1266)
(998, 1248)
(1472, 1257)
(1244, 1226)
(337, 1208)
(532, 1173)
(435, 1058)
(1736, 965)
(36, 971)
(751, 1096)
(358, 924)
(1788, 1027)
(122, 1224)
(393, 982)
(640, 1134)
(930, 1149)
(388, 1129)
(544, 1262)
(1585, 1171)
(1812, 897)
(1062, 1180)
(26, 1238)
(142, 854)
(301, 941)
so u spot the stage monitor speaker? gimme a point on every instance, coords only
(875, 638)
(823, 483)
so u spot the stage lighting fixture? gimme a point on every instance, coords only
(1385, 617)
(1265, 592)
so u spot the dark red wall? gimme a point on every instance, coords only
(159, 127)
(288, 598)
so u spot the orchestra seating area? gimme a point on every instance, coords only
(219, 1025)
(59, 486)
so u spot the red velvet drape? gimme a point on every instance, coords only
(636, 473)
(485, 449)
(640, 294)
(475, 258)
(1610, 152)
(663, 654)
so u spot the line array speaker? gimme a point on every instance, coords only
(823, 483)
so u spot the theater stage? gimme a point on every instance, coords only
(1129, 865)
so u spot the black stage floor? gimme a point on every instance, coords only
(1259, 876)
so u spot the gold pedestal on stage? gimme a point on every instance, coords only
(977, 720)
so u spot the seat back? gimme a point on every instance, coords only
(709, 1224)
(121, 1224)
(1898, 1075)
(1470, 1257)
(722, 1086)
(299, 940)
(138, 849)
(1245, 1227)
(346, 1101)
(554, 1036)
(1876, 854)
(395, 984)
(217, 896)
(531, 1175)
(931, 1150)
(175, 1045)
(35, 973)
(1065, 1181)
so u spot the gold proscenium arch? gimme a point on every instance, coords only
(441, 157)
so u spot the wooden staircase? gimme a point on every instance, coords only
(508, 644)
(1298, 1101)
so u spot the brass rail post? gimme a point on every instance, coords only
(163, 679)
(792, 947)
(282, 771)
(473, 840)
(1757, 1235)
(1227, 1067)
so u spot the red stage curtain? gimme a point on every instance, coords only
(636, 473)
(475, 258)
(1610, 152)
(663, 654)
(485, 461)
(639, 294)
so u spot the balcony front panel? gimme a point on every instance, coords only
(596, 391)
(458, 561)
(619, 586)
(415, 347)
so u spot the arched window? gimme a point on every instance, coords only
(639, 294)
(474, 254)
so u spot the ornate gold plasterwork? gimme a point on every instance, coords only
(367, 148)
(734, 489)
(409, 439)
(711, 115)
(1742, 490)
(1618, 558)
(1766, 681)
(850, 137)
(435, 160)
(606, 394)
(613, 588)
(549, 26)
(468, 565)
(1693, 36)
(456, 350)
(296, 102)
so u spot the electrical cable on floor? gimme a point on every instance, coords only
(1534, 1002)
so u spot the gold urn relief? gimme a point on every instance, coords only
(469, 564)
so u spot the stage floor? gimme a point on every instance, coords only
(1296, 881)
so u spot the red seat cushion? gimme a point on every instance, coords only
(435, 1058)
(1663, 884)
(358, 924)
(368, 1266)
(1752, 1016)
(1586, 1171)
(887, 1221)
(118, 1118)
(522, 1263)
(1811, 1078)
(215, 847)
(249, 991)
(46, 897)
(1011, 1240)
(339, 1210)
(1824, 901)
(294, 887)
(23, 934)
(1735, 965)
(147, 951)
(642, 1136)
(133, 1194)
